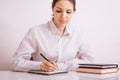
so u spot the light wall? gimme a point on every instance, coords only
(98, 19)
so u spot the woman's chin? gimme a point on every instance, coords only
(63, 25)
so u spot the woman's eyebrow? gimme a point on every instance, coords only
(61, 8)
(58, 7)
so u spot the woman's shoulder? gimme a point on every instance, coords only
(39, 27)
(76, 29)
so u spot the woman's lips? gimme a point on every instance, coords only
(63, 21)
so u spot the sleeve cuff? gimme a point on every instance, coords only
(62, 66)
(36, 66)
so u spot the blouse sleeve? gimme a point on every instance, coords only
(82, 56)
(21, 59)
(72, 64)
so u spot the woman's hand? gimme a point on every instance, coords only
(48, 66)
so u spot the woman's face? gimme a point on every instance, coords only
(62, 11)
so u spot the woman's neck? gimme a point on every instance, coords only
(60, 28)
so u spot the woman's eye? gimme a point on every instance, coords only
(69, 12)
(58, 11)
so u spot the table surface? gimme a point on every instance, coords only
(72, 75)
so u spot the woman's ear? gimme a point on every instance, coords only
(52, 13)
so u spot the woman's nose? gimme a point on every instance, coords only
(64, 15)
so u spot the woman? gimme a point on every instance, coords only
(56, 40)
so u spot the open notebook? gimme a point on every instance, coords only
(48, 73)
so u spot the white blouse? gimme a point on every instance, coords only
(66, 50)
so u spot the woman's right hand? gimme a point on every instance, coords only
(48, 66)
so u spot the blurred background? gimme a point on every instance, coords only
(98, 19)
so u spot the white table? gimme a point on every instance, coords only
(9, 75)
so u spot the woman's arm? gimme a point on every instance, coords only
(21, 59)
(72, 64)
(81, 56)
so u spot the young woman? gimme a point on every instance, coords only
(56, 40)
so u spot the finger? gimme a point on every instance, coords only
(46, 67)
(50, 64)
(54, 63)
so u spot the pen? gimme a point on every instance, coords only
(48, 60)
(45, 57)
